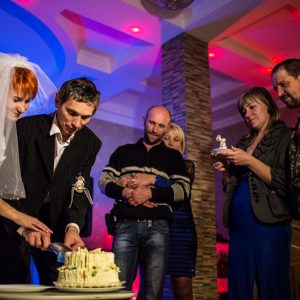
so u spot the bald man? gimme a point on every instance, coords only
(142, 208)
(286, 82)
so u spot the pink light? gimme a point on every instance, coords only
(222, 283)
(23, 1)
(211, 54)
(136, 285)
(135, 29)
(277, 59)
(266, 70)
(296, 14)
(109, 237)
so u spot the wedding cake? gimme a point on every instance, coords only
(83, 268)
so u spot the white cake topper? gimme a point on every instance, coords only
(222, 142)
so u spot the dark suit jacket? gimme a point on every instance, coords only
(36, 149)
(269, 202)
(294, 171)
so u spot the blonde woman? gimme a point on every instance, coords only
(183, 241)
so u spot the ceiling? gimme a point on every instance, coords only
(94, 38)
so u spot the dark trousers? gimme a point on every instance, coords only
(15, 257)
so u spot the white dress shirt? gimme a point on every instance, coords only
(59, 149)
(59, 144)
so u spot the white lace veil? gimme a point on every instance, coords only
(11, 185)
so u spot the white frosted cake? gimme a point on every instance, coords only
(83, 268)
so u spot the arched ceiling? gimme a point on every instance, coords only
(94, 38)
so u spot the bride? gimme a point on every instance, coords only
(20, 82)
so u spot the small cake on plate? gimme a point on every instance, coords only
(83, 268)
(222, 147)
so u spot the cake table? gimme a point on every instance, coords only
(55, 294)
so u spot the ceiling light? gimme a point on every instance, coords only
(276, 59)
(266, 70)
(171, 4)
(135, 29)
(165, 9)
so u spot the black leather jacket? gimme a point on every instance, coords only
(268, 201)
(294, 171)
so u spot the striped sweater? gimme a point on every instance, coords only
(160, 160)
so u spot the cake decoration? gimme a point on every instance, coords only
(83, 268)
(222, 142)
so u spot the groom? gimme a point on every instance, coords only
(57, 153)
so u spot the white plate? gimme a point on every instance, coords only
(217, 150)
(90, 290)
(22, 288)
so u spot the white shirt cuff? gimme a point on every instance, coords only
(73, 225)
(21, 230)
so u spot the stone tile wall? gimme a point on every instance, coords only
(186, 93)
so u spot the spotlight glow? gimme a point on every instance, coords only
(266, 70)
(135, 29)
(23, 1)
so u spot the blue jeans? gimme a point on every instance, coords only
(145, 244)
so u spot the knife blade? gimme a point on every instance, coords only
(60, 250)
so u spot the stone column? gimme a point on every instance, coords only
(186, 93)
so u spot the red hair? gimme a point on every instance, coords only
(25, 81)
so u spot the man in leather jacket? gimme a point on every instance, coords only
(286, 82)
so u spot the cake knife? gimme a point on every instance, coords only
(60, 250)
